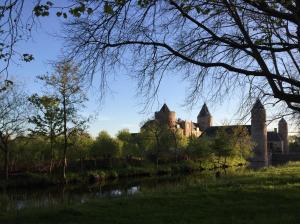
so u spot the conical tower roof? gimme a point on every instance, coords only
(204, 111)
(165, 108)
(258, 105)
(282, 120)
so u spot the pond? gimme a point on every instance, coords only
(17, 199)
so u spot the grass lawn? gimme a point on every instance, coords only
(267, 196)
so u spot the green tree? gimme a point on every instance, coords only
(242, 142)
(156, 140)
(26, 152)
(13, 117)
(232, 143)
(80, 147)
(178, 142)
(47, 119)
(68, 86)
(130, 146)
(106, 147)
(199, 148)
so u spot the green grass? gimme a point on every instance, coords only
(267, 196)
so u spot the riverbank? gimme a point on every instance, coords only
(38, 180)
(271, 195)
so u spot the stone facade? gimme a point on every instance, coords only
(283, 132)
(259, 135)
(266, 142)
(204, 118)
(166, 116)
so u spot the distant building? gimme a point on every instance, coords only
(266, 142)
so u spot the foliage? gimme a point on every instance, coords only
(199, 148)
(47, 119)
(130, 144)
(105, 146)
(27, 151)
(80, 145)
(13, 112)
(231, 144)
(68, 88)
(156, 140)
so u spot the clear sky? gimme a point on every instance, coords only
(121, 107)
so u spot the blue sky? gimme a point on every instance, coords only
(121, 107)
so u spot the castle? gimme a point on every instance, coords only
(266, 142)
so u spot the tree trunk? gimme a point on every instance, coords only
(52, 155)
(65, 140)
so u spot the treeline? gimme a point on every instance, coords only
(44, 132)
(155, 144)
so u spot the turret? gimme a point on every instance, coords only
(204, 119)
(283, 132)
(166, 116)
(259, 135)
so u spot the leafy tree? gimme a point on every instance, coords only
(106, 147)
(232, 143)
(199, 148)
(47, 119)
(156, 139)
(242, 142)
(13, 117)
(178, 142)
(68, 86)
(81, 145)
(130, 147)
(26, 151)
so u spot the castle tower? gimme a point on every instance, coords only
(204, 119)
(259, 135)
(283, 132)
(165, 116)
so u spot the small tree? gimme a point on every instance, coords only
(67, 84)
(81, 146)
(199, 149)
(178, 142)
(13, 107)
(156, 139)
(106, 147)
(26, 151)
(130, 147)
(47, 119)
(234, 143)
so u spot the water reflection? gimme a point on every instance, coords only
(16, 199)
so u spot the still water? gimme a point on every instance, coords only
(17, 199)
